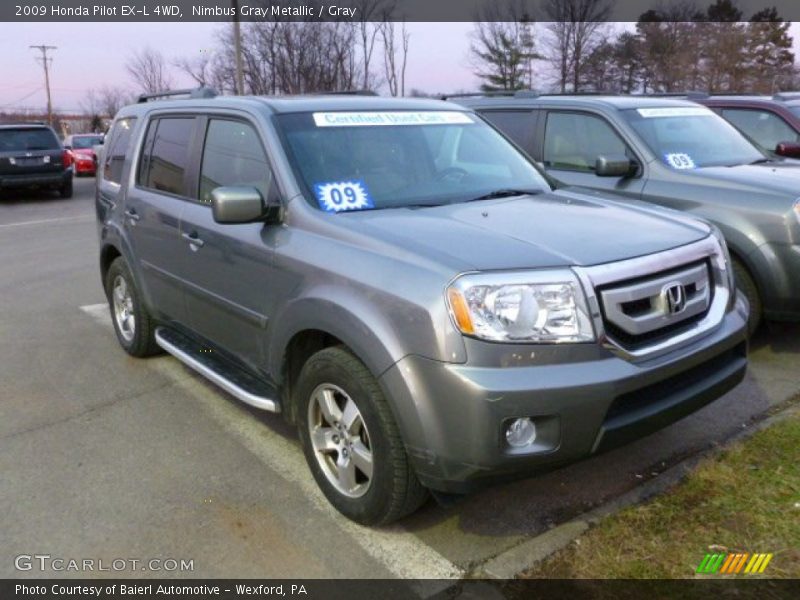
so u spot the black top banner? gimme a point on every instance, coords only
(392, 10)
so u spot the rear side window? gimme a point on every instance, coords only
(116, 149)
(27, 138)
(233, 155)
(573, 141)
(519, 125)
(166, 155)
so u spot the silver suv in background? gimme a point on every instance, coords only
(679, 155)
(407, 288)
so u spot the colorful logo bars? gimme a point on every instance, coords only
(732, 564)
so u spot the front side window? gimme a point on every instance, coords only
(684, 137)
(381, 160)
(233, 155)
(763, 127)
(117, 149)
(573, 141)
(166, 155)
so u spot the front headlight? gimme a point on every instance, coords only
(534, 306)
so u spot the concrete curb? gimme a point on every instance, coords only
(508, 564)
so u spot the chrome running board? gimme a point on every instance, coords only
(220, 371)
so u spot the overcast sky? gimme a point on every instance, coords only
(91, 55)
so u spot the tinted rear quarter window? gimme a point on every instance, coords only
(117, 149)
(166, 155)
(27, 139)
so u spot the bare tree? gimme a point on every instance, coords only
(196, 67)
(111, 99)
(148, 70)
(372, 14)
(576, 28)
(395, 67)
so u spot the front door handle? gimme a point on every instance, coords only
(193, 239)
(132, 214)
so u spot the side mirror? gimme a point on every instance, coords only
(614, 165)
(788, 149)
(235, 204)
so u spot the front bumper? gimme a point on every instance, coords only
(584, 398)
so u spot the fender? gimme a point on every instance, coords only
(348, 317)
(111, 236)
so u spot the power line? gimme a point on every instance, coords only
(46, 64)
(25, 97)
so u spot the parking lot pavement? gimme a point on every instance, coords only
(105, 456)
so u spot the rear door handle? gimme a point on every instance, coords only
(193, 239)
(132, 214)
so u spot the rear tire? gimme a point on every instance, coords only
(748, 287)
(351, 441)
(66, 189)
(134, 326)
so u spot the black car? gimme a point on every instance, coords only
(31, 156)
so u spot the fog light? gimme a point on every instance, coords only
(520, 432)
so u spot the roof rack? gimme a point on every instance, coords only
(350, 93)
(492, 94)
(22, 123)
(200, 92)
(691, 95)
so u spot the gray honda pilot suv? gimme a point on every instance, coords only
(404, 285)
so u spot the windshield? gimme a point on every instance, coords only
(366, 160)
(692, 137)
(86, 141)
(14, 140)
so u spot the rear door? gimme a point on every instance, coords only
(153, 209)
(573, 141)
(229, 266)
(26, 151)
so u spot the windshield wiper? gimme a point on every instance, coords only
(760, 161)
(504, 193)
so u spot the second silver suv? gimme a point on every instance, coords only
(406, 287)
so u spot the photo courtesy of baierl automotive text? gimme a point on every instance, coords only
(458, 299)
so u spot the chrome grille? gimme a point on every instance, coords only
(710, 291)
(648, 305)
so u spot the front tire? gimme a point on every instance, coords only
(351, 441)
(134, 326)
(747, 286)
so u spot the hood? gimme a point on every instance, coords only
(780, 177)
(557, 229)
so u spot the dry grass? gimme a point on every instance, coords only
(747, 499)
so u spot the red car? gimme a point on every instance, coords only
(81, 146)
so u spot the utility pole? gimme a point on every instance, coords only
(237, 42)
(46, 64)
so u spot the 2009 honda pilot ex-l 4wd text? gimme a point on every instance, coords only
(402, 283)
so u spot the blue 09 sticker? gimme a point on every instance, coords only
(343, 195)
(679, 160)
